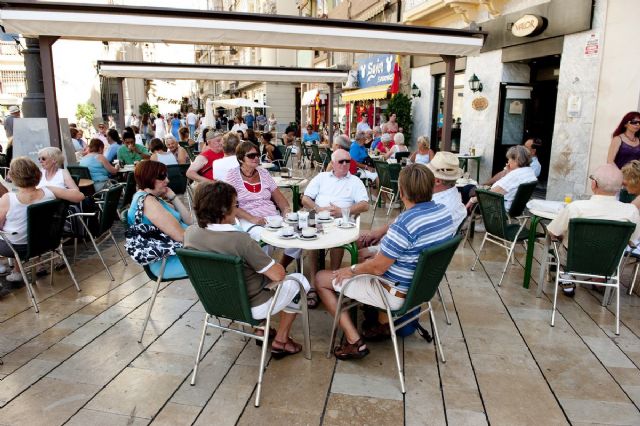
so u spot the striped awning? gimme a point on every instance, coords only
(374, 92)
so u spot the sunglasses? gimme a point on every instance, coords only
(593, 179)
(42, 159)
(252, 155)
(344, 161)
(161, 176)
(635, 122)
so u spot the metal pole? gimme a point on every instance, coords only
(49, 83)
(33, 102)
(450, 62)
(330, 120)
(121, 104)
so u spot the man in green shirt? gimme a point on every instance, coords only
(130, 151)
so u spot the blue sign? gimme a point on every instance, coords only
(376, 71)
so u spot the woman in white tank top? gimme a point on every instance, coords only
(424, 154)
(159, 153)
(51, 161)
(13, 206)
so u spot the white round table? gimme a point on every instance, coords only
(126, 169)
(267, 165)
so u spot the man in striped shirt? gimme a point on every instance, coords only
(423, 224)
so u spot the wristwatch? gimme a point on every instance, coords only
(353, 268)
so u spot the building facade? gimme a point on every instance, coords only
(549, 69)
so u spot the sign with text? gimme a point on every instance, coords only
(528, 26)
(376, 71)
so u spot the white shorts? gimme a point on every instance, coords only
(255, 231)
(363, 291)
(366, 174)
(288, 292)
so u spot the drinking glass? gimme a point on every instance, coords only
(568, 198)
(345, 214)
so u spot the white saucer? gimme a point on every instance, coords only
(302, 237)
(273, 228)
(287, 237)
(291, 221)
(324, 220)
(347, 225)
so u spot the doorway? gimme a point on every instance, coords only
(529, 110)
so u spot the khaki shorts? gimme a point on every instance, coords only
(362, 290)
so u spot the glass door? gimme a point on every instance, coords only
(513, 110)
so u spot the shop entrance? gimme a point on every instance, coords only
(528, 110)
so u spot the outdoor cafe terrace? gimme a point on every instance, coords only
(78, 361)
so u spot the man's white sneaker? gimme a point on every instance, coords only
(14, 277)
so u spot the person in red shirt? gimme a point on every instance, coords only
(201, 169)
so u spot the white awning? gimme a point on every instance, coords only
(309, 97)
(121, 23)
(164, 71)
(238, 103)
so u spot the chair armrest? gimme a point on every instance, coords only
(82, 214)
(348, 282)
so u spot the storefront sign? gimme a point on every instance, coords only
(528, 26)
(376, 71)
(480, 103)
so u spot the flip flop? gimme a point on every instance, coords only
(290, 347)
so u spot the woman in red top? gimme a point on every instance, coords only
(201, 169)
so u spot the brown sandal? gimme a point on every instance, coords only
(348, 350)
(272, 335)
(377, 333)
(290, 347)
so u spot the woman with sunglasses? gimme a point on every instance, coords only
(625, 145)
(161, 208)
(258, 195)
(51, 160)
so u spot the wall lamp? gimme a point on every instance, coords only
(415, 91)
(475, 84)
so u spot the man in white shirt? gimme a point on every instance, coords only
(331, 191)
(239, 125)
(363, 125)
(606, 181)
(192, 119)
(532, 145)
(222, 166)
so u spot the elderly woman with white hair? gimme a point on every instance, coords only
(386, 143)
(51, 163)
(398, 146)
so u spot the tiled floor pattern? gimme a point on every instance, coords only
(78, 362)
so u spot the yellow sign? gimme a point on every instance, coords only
(528, 26)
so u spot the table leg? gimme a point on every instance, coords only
(477, 170)
(544, 264)
(352, 248)
(296, 197)
(530, 248)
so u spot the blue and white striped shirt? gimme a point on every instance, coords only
(422, 226)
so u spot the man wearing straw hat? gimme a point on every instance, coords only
(14, 112)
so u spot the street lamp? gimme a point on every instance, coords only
(415, 91)
(475, 84)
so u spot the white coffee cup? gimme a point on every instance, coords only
(287, 231)
(292, 216)
(274, 221)
(309, 232)
(324, 214)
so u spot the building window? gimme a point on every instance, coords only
(13, 83)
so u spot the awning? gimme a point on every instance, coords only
(309, 97)
(238, 103)
(164, 71)
(374, 92)
(130, 23)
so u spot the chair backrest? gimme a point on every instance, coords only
(177, 174)
(384, 174)
(432, 265)
(493, 214)
(80, 171)
(219, 282)
(129, 189)
(109, 208)
(523, 195)
(191, 151)
(45, 224)
(596, 246)
(316, 154)
(625, 197)
(400, 155)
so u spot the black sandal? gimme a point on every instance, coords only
(348, 350)
(312, 299)
(290, 347)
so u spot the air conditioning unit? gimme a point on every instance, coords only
(352, 80)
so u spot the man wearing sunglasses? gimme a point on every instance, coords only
(606, 181)
(332, 191)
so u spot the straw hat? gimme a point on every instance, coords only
(445, 166)
(13, 109)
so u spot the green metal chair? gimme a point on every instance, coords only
(179, 182)
(80, 171)
(107, 214)
(432, 265)
(386, 185)
(498, 229)
(219, 282)
(45, 226)
(322, 159)
(129, 191)
(595, 250)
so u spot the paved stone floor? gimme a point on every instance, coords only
(78, 362)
